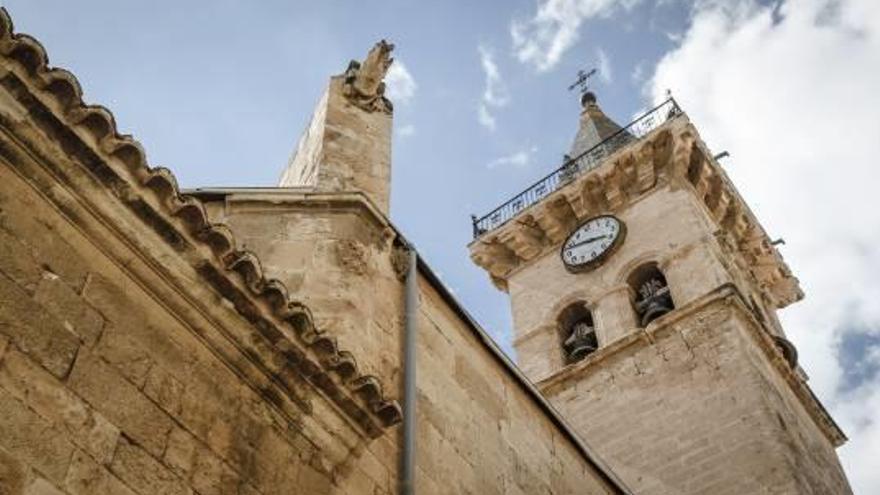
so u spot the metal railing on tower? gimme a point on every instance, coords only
(575, 166)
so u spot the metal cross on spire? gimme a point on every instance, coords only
(582, 79)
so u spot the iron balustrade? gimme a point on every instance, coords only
(573, 167)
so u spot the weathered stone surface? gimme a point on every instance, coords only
(139, 470)
(206, 472)
(211, 476)
(40, 486)
(475, 384)
(25, 213)
(120, 402)
(49, 397)
(478, 431)
(68, 307)
(114, 301)
(337, 254)
(17, 263)
(125, 354)
(13, 473)
(34, 331)
(345, 148)
(272, 478)
(164, 389)
(707, 399)
(87, 477)
(219, 421)
(179, 452)
(31, 439)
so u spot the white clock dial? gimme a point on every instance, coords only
(591, 241)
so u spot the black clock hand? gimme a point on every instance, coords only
(587, 241)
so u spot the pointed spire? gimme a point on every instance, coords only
(595, 126)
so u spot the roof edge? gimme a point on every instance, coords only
(269, 302)
(483, 337)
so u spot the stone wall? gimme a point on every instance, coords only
(694, 407)
(302, 168)
(139, 352)
(701, 400)
(104, 390)
(665, 226)
(344, 148)
(336, 254)
(479, 430)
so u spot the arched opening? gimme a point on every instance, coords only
(577, 333)
(789, 351)
(651, 293)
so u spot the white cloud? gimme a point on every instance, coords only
(495, 94)
(399, 83)
(638, 73)
(406, 130)
(542, 40)
(485, 118)
(517, 159)
(604, 66)
(794, 99)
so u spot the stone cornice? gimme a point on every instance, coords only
(672, 155)
(726, 298)
(285, 340)
(267, 198)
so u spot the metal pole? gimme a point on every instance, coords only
(408, 455)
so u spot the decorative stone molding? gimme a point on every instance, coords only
(363, 84)
(672, 154)
(712, 309)
(288, 339)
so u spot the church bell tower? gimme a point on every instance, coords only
(644, 295)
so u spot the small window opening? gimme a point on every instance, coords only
(577, 333)
(652, 297)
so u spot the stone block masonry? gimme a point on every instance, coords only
(478, 430)
(695, 408)
(83, 412)
(347, 145)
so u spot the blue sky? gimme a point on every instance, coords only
(220, 91)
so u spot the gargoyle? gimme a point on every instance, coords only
(363, 84)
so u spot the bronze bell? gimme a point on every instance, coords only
(655, 308)
(580, 350)
(581, 342)
(655, 301)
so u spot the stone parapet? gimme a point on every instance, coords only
(335, 251)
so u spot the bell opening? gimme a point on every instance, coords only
(652, 298)
(577, 333)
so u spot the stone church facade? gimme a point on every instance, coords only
(266, 340)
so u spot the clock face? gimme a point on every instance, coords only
(590, 243)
